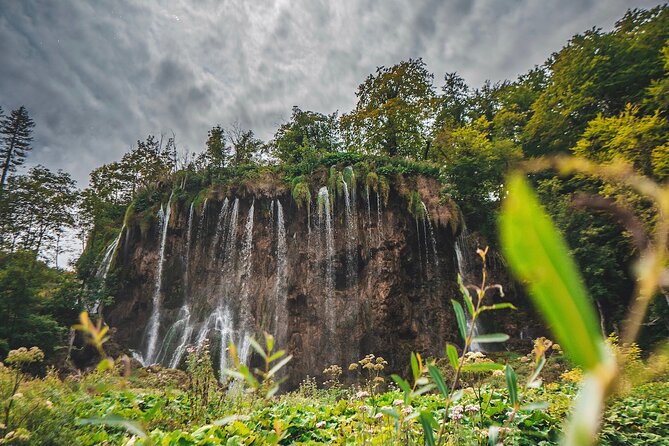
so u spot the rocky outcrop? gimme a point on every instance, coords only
(354, 272)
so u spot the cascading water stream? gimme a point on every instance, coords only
(429, 231)
(153, 326)
(183, 326)
(220, 224)
(280, 313)
(103, 270)
(325, 222)
(351, 254)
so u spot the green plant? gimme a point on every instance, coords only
(202, 384)
(18, 361)
(539, 256)
(263, 381)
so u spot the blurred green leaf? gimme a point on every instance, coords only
(426, 420)
(539, 256)
(460, 317)
(490, 338)
(453, 356)
(118, 421)
(438, 379)
(511, 384)
(465, 294)
(482, 367)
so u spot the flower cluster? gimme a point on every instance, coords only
(22, 357)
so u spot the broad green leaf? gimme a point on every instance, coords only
(537, 405)
(276, 356)
(465, 294)
(482, 367)
(492, 337)
(414, 366)
(511, 384)
(257, 348)
(460, 317)
(539, 256)
(278, 366)
(117, 420)
(426, 420)
(422, 390)
(453, 356)
(438, 379)
(406, 388)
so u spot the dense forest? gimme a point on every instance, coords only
(603, 97)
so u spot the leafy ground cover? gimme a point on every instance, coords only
(159, 403)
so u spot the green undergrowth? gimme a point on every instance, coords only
(52, 410)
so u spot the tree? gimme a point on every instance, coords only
(641, 140)
(217, 153)
(307, 134)
(394, 112)
(473, 167)
(15, 140)
(597, 73)
(245, 145)
(40, 206)
(453, 102)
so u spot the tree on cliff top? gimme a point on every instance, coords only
(307, 135)
(394, 112)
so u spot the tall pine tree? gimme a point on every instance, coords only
(15, 139)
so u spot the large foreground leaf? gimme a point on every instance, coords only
(538, 255)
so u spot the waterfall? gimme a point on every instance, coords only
(280, 313)
(231, 237)
(429, 231)
(154, 321)
(465, 265)
(182, 327)
(379, 227)
(351, 230)
(103, 270)
(219, 224)
(324, 216)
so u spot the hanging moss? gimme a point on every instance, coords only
(384, 188)
(372, 181)
(415, 206)
(332, 180)
(302, 195)
(129, 212)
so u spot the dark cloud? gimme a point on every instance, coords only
(99, 75)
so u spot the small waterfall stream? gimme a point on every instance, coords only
(281, 312)
(103, 269)
(153, 326)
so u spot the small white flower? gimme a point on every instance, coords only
(362, 394)
(378, 415)
(407, 410)
(398, 402)
(320, 425)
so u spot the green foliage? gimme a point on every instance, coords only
(27, 287)
(302, 194)
(392, 111)
(307, 137)
(595, 73)
(641, 140)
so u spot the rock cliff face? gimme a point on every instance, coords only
(354, 272)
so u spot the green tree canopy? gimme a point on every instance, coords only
(15, 141)
(595, 73)
(394, 112)
(307, 135)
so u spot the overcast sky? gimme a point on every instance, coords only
(98, 75)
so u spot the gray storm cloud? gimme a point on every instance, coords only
(96, 76)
